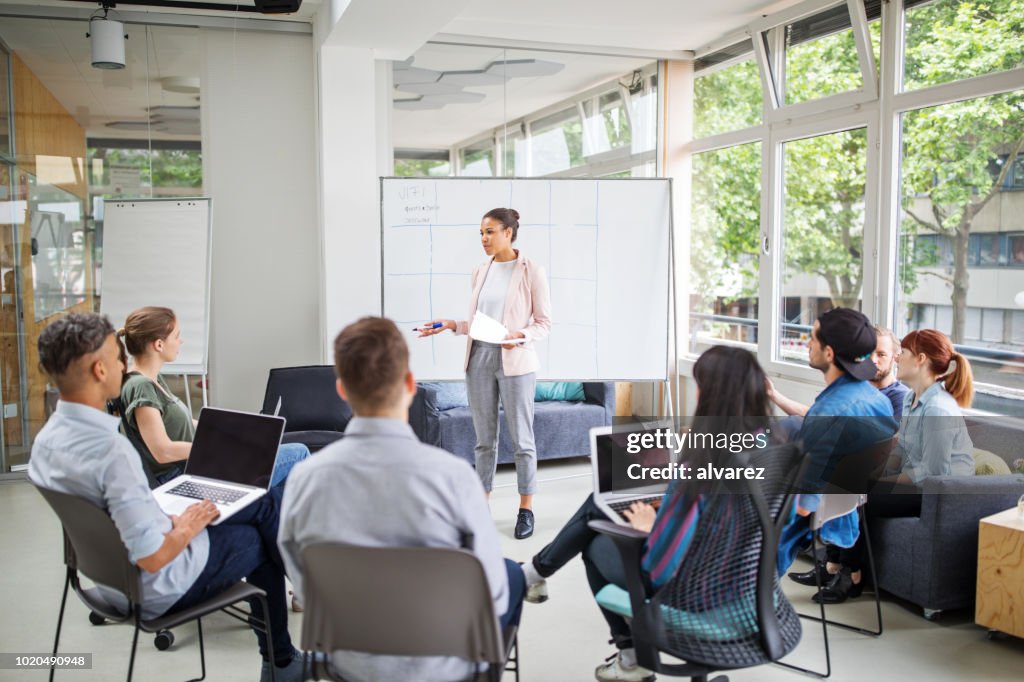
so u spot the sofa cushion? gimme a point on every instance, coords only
(989, 464)
(559, 390)
(448, 394)
(561, 429)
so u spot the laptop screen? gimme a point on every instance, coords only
(613, 460)
(239, 447)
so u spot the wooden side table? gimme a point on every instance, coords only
(1000, 593)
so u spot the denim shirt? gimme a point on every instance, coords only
(847, 417)
(933, 436)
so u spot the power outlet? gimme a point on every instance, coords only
(10, 410)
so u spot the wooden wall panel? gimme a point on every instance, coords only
(50, 145)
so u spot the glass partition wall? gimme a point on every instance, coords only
(71, 137)
(488, 112)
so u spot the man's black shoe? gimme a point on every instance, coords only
(524, 524)
(807, 577)
(840, 588)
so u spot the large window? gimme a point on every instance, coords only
(950, 198)
(725, 255)
(823, 231)
(921, 228)
(607, 131)
(947, 40)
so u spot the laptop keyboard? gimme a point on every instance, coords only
(205, 491)
(619, 507)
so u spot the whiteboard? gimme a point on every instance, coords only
(604, 245)
(157, 252)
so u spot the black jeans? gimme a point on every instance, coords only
(600, 559)
(245, 546)
(886, 500)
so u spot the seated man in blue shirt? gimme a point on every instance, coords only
(379, 486)
(184, 562)
(848, 417)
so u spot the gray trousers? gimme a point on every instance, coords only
(485, 383)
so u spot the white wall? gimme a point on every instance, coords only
(260, 168)
(355, 109)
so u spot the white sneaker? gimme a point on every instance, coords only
(614, 671)
(537, 593)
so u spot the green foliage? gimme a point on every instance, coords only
(415, 168)
(726, 224)
(170, 167)
(946, 169)
(726, 100)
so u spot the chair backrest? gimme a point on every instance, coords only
(857, 471)
(401, 601)
(834, 505)
(309, 401)
(724, 607)
(92, 545)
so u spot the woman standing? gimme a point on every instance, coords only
(158, 423)
(514, 290)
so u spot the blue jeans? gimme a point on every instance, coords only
(245, 546)
(516, 592)
(288, 455)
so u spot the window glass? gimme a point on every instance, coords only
(478, 159)
(948, 190)
(6, 148)
(726, 212)
(411, 163)
(727, 99)
(947, 40)
(823, 231)
(557, 142)
(821, 57)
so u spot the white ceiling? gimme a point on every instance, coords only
(58, 53)
(638, 24)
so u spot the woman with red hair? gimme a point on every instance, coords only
(933, 435)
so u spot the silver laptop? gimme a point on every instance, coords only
(614, 490)
(231, 462)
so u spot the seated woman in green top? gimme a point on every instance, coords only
(159, 425)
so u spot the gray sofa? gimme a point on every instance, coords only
(932, 560)
(561, 428)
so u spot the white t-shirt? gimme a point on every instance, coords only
(495, 290)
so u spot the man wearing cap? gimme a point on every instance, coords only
(848, 417)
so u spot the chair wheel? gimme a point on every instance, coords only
(96, 619)
(163, 640)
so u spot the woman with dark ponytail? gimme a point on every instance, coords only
(513, 290)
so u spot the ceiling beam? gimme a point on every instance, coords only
(596, 50)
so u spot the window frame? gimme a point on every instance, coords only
(879, 110)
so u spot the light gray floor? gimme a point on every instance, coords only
(561, 640)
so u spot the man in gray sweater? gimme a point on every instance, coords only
(380, 487)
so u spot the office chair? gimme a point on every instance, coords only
(724, 608)
(403, 601)
(93, 547)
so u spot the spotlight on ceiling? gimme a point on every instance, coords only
(107, 37)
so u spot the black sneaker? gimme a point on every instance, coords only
(807, 577)
(524, 524)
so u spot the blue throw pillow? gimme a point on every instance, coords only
(449, 394)
(560, 390)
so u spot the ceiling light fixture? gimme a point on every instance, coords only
(107, 38)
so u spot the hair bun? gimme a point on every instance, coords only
(515, 214)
